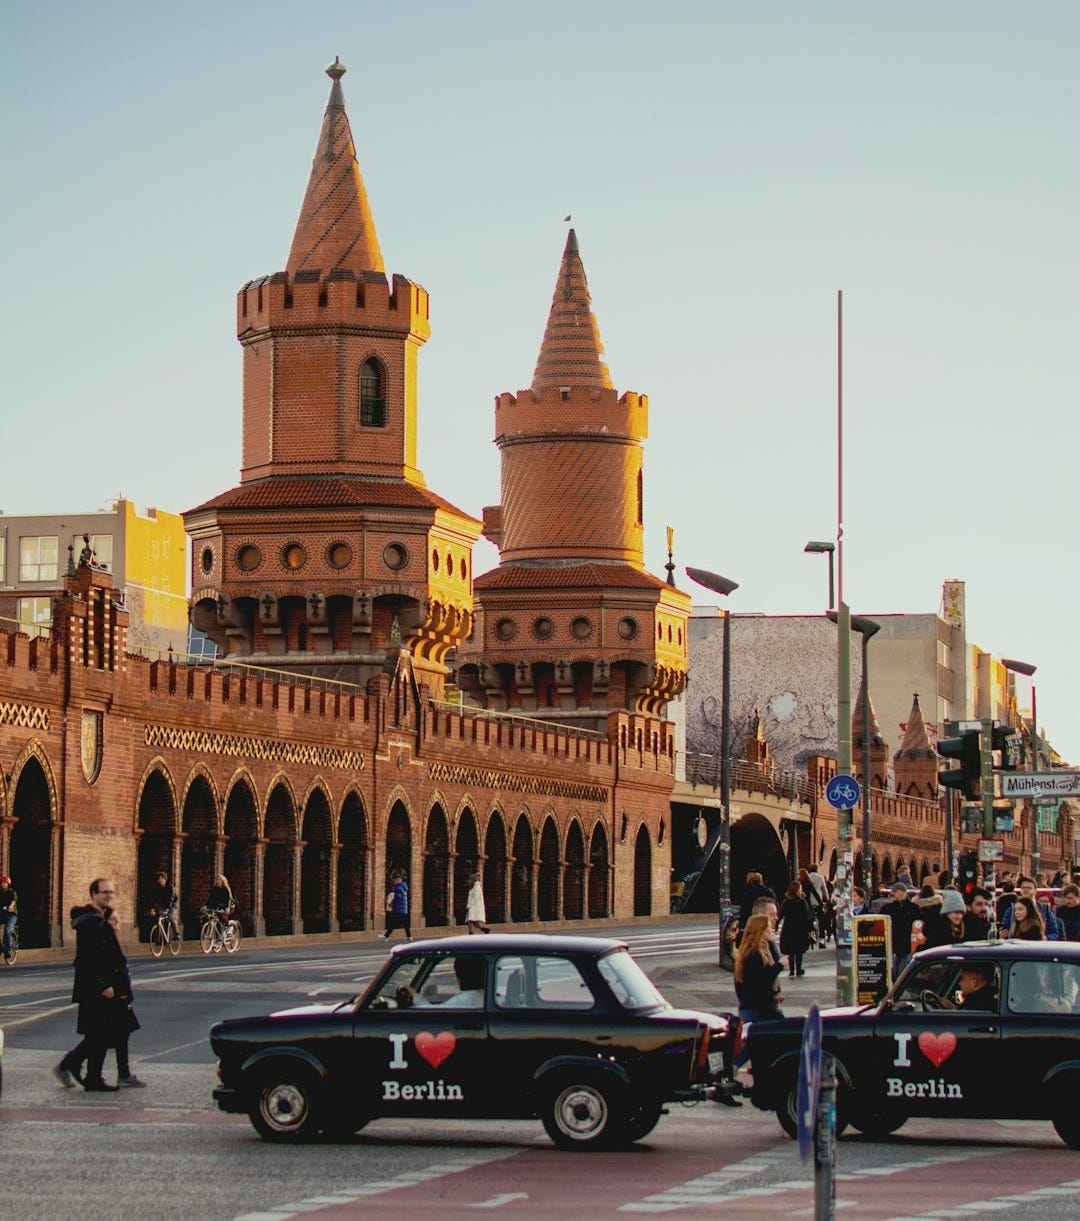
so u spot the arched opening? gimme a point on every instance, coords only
(372, 395)
(756, 846)
(598, 874)
(857, 873)
(399, 841)
(315, 865)
(642, 872)
(241, 828)
(832, 866)
(436, 869)
(574, 876)
(547, 890)
(279, 863)
(352, 867)
(197, 856)
(31, 856)
(521, 881)
(924, 870)
(466, 859)
(157, 822)
(886, 872)
(495, 869)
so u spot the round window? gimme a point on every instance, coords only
(294, 556)
(627, 628)
(506, 629)
(435, 561)
(581, 628)
(249, 558)
(543, 628)
(339, 555)
(395, 556)
(206, 560)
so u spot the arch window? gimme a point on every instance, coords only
(372, 395)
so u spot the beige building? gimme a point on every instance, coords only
(145, 553)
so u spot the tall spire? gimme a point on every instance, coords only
(916, 741)
(570, 352)
(335, 229)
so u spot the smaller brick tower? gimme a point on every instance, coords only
(879, 752)
(915, 764)
(570, 625)
(331, 537)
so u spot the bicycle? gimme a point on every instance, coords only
(164, 933)
(218, 934)
(12, 952)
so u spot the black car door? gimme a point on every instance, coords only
(1040, 1031)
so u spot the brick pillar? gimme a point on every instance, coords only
(258, 917)
(534, 886)
(219, 855)
(332, 864)
(559, 878)
(298, 858)
(56, 925)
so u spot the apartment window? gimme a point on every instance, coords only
(37, 557)
(944, 655)
(34, 615)
(372, 401)
(100, 544)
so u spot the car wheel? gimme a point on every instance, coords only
(1067, 1126)
(583, 1113)
(787, 1109)
(643, 1119)
(878, 1126)
(285, 1106)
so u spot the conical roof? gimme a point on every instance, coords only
(916, 743)
(335, 229)
(570, 352)
(857, 722)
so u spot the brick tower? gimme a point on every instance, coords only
(915, 764)
(879, 752)
(331, 537)
(570, 625)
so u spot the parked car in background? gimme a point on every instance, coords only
(936, 1045)
(569, 1029)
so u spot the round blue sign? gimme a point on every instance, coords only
(809, 1085)
(843, 792)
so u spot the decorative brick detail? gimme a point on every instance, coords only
(25, 716)
(490, 778)
(165, 737)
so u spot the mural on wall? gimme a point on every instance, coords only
(782, 669)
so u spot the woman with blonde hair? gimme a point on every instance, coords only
(756, 969)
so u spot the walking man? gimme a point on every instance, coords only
(475, 909)
(9, 901)
(397, 906)
(94, 990)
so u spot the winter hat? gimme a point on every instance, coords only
(951, 901)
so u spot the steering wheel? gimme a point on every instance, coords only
(930, 1000)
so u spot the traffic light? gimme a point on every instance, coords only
(1011, 745)
(967, 875)
(965, 750)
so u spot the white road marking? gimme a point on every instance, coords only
(507, 1197)
(976, 1207)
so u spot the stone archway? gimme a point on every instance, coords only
(241, 831)
(756, 846)
(399, 849)
(466, 860)
(199, 825)
(642, 872)
(317, 836)
(157, 824)
(574, 876)
(547, 891)
(436, 900)
(521, 880)
(30, 855)
(352, 866)
(599, 905)
(279, 863)
(495, 869)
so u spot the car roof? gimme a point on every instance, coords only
(520, 943)
(1012, 948)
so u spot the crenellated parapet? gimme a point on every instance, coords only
(571, 411)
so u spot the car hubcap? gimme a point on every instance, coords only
(284, 1106)
(581, 1111)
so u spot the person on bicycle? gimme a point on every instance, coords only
(164, 901)
(8, 916)
(221, 898)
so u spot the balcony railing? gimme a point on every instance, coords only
(749, 777)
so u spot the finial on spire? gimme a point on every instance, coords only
(670, 565)
(335, 72)
(571, 348)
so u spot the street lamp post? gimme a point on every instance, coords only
(1026, 668)
(866, 628)
(721, 585)
(826, 548)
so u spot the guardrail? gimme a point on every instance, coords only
(749, 777)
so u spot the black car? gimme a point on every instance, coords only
(569, 1029)
(987, 1029)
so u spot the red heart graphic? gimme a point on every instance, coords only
(937, 1048)
(436, 1047)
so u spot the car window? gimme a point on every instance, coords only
(431, 980)
(1044, 987)
(540, 982)
(927, 976)
(632, 987)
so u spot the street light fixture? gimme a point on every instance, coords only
(816, 548)
(721, 585)
(866, 628)
(1028, 670)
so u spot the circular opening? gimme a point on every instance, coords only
(543, 628)
(435, 561)
(506, 629)
(249, 558)
(207, 559)
(395, 556)
(294, 556)
(627, 629)
(339, 555)
(581, 628)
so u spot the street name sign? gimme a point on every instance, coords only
(1040, 784)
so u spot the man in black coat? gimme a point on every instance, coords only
(903, 913)
(95, 989)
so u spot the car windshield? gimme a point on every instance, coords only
(632, 987)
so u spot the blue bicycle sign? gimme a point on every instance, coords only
(843, 792)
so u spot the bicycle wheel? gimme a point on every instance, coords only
(174, 939)
(232, 936)
(157, 940)
(207, 938)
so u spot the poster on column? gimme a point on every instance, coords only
(873, 958)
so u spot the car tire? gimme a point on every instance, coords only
(285, 1105)
(584, 1112)
(1067, 1125)
(641, 1121)
(787, 1109)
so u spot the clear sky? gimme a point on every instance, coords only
(729, 167)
